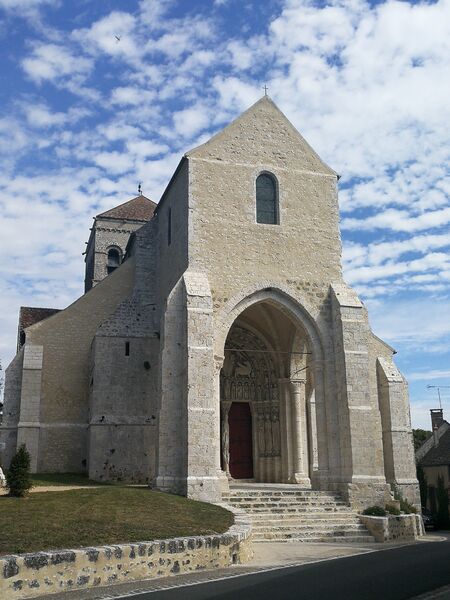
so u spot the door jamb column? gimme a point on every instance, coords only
(299, 432)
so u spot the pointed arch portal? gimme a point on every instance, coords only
(267, 398)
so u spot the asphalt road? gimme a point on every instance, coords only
(395, 574)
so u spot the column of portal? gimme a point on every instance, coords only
(299, 428)
(222, 449)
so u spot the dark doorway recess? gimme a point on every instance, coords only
(240, 427)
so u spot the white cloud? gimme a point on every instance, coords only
(41, 116)
(429, 375)
(190, 121)
(133, 96)
(114, 162)
(144, 148)
(399, 220)
(51, 62)
(412, 322)
(112, 35)
(25, 8)
(235, 95)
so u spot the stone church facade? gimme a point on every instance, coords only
(226, 346)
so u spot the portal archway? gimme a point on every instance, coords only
(268, 366)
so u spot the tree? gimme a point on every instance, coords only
(420, 436)
(423, 486)
(18, 478)
(442, 516)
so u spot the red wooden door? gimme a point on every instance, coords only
(240, 427)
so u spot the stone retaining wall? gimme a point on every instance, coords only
(394, 528)
(31, 575)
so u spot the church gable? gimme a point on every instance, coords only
(262, 135)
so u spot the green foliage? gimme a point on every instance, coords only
(18, 478)
(374, 511)
(423, 486)
(392, 510)
(420, 436)
(442, 515)
(406, 507)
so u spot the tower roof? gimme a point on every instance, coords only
(136, 209)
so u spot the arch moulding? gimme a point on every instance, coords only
(295, 306)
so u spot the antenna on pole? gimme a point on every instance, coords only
(438, 388)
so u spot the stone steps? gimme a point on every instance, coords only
(304, 528)
(291, 507)
(304, 518)
(289, 514)
(334, 539)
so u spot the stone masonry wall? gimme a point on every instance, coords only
(224, 239)
(400, 466)
(125, 377)
(66, 339)
(394, 528)
(11, 410)
(32, 575)
(107, 233)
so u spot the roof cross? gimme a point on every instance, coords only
(265, 88)
(139, 189)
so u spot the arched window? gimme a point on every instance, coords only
(266, 200)
(114, 259)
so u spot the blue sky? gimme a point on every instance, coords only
(85, 117)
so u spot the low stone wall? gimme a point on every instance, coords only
(31, 575)
(394, 528)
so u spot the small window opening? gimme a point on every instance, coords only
(266, 200)
(113, 260)
(169, 227)
(127, 348)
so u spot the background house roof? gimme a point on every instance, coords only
(438, 454)
(29, 315)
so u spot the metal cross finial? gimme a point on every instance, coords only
(139, 189)
(265, 88)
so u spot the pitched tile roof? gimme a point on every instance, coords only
(137, 209)
(29, 315)
(438, 455)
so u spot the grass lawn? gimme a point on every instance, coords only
(46, 479)
(107, 515)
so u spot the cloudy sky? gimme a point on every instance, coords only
(98, 96)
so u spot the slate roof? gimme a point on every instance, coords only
(29, 315)
(438, 455)
(137, 209)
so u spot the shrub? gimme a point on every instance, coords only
(406, 507)
(392, 510)
(374, 511)
(18, 478)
